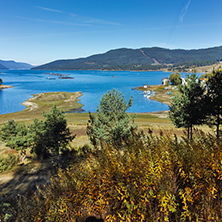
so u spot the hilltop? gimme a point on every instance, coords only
(140, 59)
(14, 65)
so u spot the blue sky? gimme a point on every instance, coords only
(41, 31)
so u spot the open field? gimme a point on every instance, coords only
(210, 68)
(33, 172)
(200, 69)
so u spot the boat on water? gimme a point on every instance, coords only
(148, 93)
(50, 78)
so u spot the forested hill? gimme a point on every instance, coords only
(139, 59)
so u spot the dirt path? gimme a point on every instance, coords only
(24, 178)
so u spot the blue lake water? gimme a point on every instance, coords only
(93, 85)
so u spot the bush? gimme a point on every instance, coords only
(6, 163)
(150, 179)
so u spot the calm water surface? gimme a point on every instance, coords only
(93, 84)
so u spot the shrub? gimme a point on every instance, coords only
(6, 163)
(149, 179)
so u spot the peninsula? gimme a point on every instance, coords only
(5, 87)
(163, 94)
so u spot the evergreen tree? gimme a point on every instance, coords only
(16, 136)
(175, 78)
(49, 137)
(52, 135)
(113, 124)
(214, 100)
(8, 130)
(39, 147)
(187, 107)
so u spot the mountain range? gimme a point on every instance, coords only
(139, 59)
(14, 65)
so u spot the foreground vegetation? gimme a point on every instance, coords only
(149, 178)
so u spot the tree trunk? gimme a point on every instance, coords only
(188, 133)
(218, 125)
(191, 132)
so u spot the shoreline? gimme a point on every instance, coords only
(44, 100)
(5, 87)
(163, 94)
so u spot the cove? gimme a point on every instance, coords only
(93, 84)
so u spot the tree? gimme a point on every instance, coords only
(8, 130)
(113, 124)
(175, 78)
(49, 137)
(52, 135)
(214, 99)
(187, 107)
(1, 81)
(16, 136)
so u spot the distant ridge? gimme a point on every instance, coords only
(2, 67)
(139, 59)
(15, 65)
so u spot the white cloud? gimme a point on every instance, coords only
(184, 11)
(49, 9)
(81, 19)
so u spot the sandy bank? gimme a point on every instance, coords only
(5, 87)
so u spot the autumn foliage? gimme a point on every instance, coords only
(151, 178)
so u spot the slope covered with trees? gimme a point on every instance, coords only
(139, 59)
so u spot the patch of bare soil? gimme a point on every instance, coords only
(30, 105)
(79, 132)
(25, 178)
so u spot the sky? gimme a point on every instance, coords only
(38, 32)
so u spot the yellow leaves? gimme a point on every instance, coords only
(167, 204)
(155, 181)
(213, 190)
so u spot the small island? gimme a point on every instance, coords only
(67, 101)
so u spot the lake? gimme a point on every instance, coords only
(93, 85)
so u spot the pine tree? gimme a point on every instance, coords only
(187, 107)
(49, 137)
(175, 78)
(16, 136)
(113, 124)
(214, 99)
(52, 135)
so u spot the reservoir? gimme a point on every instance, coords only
(93, 84)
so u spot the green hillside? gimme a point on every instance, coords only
(139, 59)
